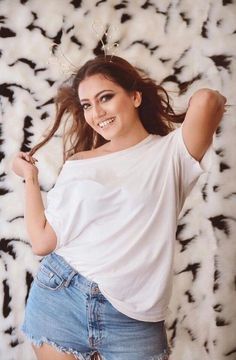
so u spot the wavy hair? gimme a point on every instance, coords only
(155, 111)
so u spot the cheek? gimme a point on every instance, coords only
(122, 106)
(87, 117)
(89, 120)
(126, 108)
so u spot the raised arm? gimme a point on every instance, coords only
(205, 111)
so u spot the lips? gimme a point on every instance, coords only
(104, 123)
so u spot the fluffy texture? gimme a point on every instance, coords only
(185, 46)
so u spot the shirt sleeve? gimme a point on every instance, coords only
(188, 168)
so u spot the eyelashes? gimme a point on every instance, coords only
(103, 98)
(107, 96)
(85, 106)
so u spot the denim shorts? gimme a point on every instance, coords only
(68, 311)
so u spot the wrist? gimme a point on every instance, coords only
(30, 177)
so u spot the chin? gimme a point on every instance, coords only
(108, 135)
(108, 138)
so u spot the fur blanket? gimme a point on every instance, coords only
(185, 45)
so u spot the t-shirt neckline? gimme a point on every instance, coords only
(113, 154)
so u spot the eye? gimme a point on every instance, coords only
(85, 106)
(106, 97)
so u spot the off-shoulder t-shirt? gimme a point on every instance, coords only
(115, 218)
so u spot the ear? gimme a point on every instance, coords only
(137, 98)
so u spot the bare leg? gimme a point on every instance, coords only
(48, 352)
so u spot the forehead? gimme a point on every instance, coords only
(93, 84)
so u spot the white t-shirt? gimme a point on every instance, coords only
(115, 217)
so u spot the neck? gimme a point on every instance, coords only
(125, 142)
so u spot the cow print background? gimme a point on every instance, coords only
(184, 45)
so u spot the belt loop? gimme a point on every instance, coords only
(72, 274)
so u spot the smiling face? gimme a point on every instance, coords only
(108, 108)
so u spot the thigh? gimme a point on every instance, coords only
(131, 339)
(48, 352)
(55, 314)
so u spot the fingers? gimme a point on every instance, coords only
(222, 100)
(31, 159)
(27, 157)
(225, 108)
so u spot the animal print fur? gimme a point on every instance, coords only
(184, 45)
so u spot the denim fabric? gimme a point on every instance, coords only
(68, 311)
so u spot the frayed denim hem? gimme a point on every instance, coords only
(79, 355)
(163, 356)
(44, 340)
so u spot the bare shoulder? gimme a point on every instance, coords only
(80, 155)
(88, 153)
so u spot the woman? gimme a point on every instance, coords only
(107, 234)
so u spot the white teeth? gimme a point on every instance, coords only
(106, 122)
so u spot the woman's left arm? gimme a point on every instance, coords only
(205, 111)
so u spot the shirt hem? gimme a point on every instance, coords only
(161, 316)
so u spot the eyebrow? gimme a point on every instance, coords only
(99, 93)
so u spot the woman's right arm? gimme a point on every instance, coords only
(42, 236)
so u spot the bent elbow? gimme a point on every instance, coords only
(45, 248)
(41, 252)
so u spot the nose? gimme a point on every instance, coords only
(98, 111)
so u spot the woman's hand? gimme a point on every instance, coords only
(23, 165)
(210, 99)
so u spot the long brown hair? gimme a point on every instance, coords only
(155, 111)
